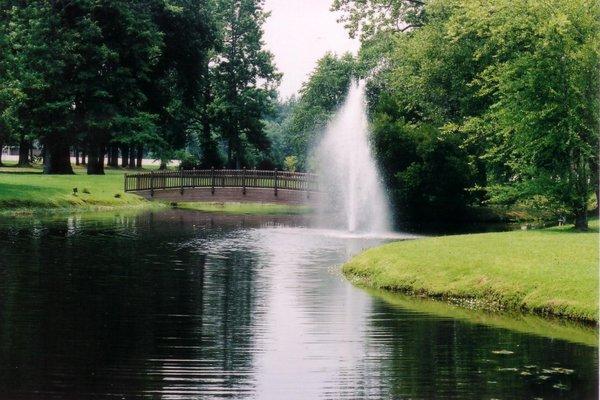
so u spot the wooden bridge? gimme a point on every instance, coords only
(225, 185)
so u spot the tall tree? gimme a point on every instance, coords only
(245, 78)
(544, 81)
(41, 49)
(118, 47)
(175, 92)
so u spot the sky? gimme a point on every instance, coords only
(298, 33)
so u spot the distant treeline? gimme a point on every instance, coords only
(186, 79)
(472, 102)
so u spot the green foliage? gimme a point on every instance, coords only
(244, 79)
(187, 160)
(320, 97)
(371, 17)
(290, 163)
(430, 179)
(544, 81)
(512, 86)
(139, 76)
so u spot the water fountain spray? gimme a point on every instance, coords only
(348, 172)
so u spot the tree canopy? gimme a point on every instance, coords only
(134, 77)
(478, 102)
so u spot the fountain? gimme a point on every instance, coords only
(355, 195)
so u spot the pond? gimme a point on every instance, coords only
(185, 305)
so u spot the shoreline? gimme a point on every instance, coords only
(555, 328)
(237, 208)
(22, 212)
(550, 273)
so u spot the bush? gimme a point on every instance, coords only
(427, 171)
(188, 161)
(290, 163)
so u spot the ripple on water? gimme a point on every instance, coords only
(184, 306)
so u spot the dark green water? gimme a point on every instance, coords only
(182, 305)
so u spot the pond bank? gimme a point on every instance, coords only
(25, 191)
(551, 272)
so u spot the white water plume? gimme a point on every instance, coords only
(347, 170)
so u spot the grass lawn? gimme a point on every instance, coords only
(27, 189)
(548, 272)
(245, 208)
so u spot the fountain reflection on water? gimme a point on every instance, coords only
(183, 305)
(347, 169)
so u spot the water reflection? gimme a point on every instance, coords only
(187, 305)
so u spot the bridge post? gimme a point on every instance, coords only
(244, 181)
(275, 182)
(307, 186)
(152, 183)
(181, 177)
(212, 179)
(223, 178)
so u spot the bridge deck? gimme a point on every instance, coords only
(225, 185)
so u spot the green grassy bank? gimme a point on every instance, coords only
(24, 190)
(27, 190)
(547, 272)
(245, 208)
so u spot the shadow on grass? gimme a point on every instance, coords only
(13, 172)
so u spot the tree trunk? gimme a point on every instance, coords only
(57, 159)
(229, 153)
(140, 156)
(131, 157)
(124, 156)
(1, 149)
(163, 166)
(113, 156)
(581, 220)
(23, 152)
(95, 164)
(76, 151)
(596, 182)
(109, 157)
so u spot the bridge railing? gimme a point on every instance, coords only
(215, 178)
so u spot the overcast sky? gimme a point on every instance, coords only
(298, 33)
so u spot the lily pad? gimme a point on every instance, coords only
(503, 352)
(560, 386)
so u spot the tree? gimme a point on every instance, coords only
(244, 78)
(544, 83)
(369, 18)
(320, 96)
(105, 74)
(40, 48)
(118, 47)
(513, 84)
(176, 90)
